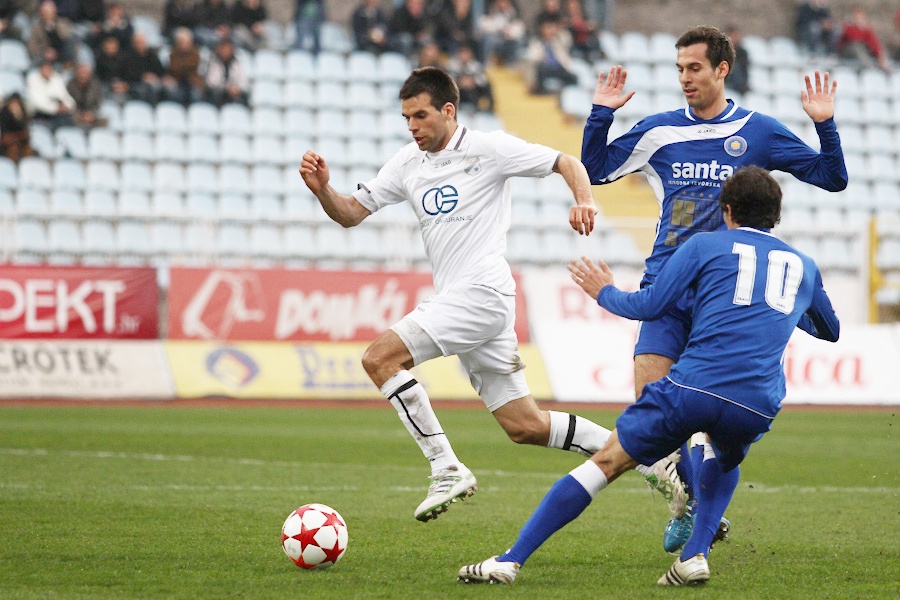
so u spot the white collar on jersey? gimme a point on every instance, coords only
(724, 115)
(755, 230)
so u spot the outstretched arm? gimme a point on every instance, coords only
(609, 90)
(581, 216)
(818, 99)
(344, 210)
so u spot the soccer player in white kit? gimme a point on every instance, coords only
(455, 179)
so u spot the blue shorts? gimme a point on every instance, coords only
(667, 335)
(667, 415)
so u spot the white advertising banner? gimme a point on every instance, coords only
(89, 369)
(588, 352)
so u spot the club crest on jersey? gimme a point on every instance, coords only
(473, 166)
(735, 145)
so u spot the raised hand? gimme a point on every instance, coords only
(314, 171)
(609, 91)
(818, 100)
(592, 278)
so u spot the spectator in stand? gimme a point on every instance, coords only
(370, 26)
(475, 92)
(15, 136)
(50, 102)
(116, 24)
(8, 27)
(92, 12)
(249, 17)
(429, 55)
(585, 34)
(549, 59)
(68, 10)
(551, 10)
(859, 42)
(739, 77)
(143, 71)
(814, 28)
(601, 12)
(213, 23)
(409, 29)
(501, 33)
(51, 36)
(112, 69)
(85, 89)
(226, 78)
(896, 41)
(453, 24)
(183, 82)
(179, 13)
(308, 19)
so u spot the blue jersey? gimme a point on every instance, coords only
(751, 290)
(686, 160)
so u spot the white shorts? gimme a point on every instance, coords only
(477, 324)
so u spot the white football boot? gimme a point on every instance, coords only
(489, 571)
(693, 571)
(665, 480)
(447, 486)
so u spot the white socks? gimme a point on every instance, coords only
(577, 434)
(590, 476)
(408, 397)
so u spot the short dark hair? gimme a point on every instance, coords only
(754, 197)
(433, 81)
(718, 45)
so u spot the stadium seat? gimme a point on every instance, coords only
(265, 206)
(138, 146)
(99, 203)
(170, 147)
(134, 204)
(332, 243)
(758, 50)
(300, 65)
(852, 140)
(760, 80)
(362, 67)
(363, 152)
(785, 51)
(72, 142)
(298, 121)
(168, 176)
(166, 239)
(266, 241)
(234, 149)
(640, 77)
(362, 96)
(203, 118)
(235, 119)
(43, 142)
(267, 93)
(10, 82)
(393, 68)
(34, 173)
(331, 123)
(268, 121)
(14, 56)
(133, 239)
(609, 42)
(876, 112)
(523, 246)
(886, 196)
(876, 84)
(171, 117)
(149, 26)
(66, 202)
(137, 176)
(103, 144)
(849, 83)
(234, 179)
(232, 241)
(201, 205)
(9, 175)
(634, 49)
(7, 203)
(335, 152)
(29, 239)
(233, 205)
(99, 238)
(298, 240)
(68, 174)
(267, 179)
(300, 94)
(202, 147)
(137, 116)
(167, 204)
(662, 48)
(335, 38)
(268, 150)
(201, 178)
(269, 65)
(301, 205)
(881, 167)
(333, 95)
(294, 147)
(103, 175)
(331, 66)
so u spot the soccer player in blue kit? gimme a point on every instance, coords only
(751, 290)
(686, 155)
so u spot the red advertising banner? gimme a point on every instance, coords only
(78, 303)
(294, 305)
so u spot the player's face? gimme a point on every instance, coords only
(431, 128)
(703, 85)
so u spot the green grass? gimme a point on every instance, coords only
(186, 502)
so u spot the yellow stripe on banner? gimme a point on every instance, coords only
(318, 370)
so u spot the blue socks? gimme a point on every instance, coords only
(715, 489)
(685, 467)
(566, 500)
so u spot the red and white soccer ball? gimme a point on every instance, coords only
(314, 536)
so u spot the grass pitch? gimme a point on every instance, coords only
(187, 502)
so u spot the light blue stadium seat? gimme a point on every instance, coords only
(149, 26)
(760, 79)
(393, 68)
(332, 243)
(268, 64)
(523, 245)
(300, 65)
(362, 67)
(294, 147)
(99, 202)
(166, 238)
(266, 241)
(232, 241)
(9, 174)
(576, 102)
(364, 123)
(10, 82)
(170, 147)
(202, 147)
(66, 202)
(634, 49)
(301, 204)
(881, 167)
(331, 123)
(137, 176)
(298, 121)
(203, 118)
(64, 237)
(363, 152)
(362, 96)
(267, 93)
(234, 179)
(7, 202)
(201, 178)
(199, 238)
(335, 38)
(103, 144)
(268, 121)
(44, 142)
(201, 205)
(333, 94)
(29, 239)
(886, 196)
(335, 152)
(68, 174)
(134, 204)
(758, 50)
(138, 146)
(168, 176)
(171, 117)
(298, 240)
(112, 112)
(268, 150)
(233, 205)
(268, 179)
(167, 204)
(138, 116)
(99, 239)
(275, 35)
(266, 206)
(14, 56)
(300, 94)
(661, 48)
(786, 52)
(71, 141)
(235, 149)
(876, 84)
(104, 175)
(235, 119)
(609, 42)
(133, 239)
(877, 112)
(34, 173)
(331, 66)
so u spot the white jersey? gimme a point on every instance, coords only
(462, 200)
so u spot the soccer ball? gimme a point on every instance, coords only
(314, 536)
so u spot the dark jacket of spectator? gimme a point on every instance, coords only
(454, 25)
(93, 11)
(409, 28)
(111, 61)
(116, 24)
(249, 17)
(15, 137)
(370, 27)
(85, 89)
(51, 35)
(179, 13)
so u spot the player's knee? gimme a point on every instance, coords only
(371, 362)
(525, 432)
